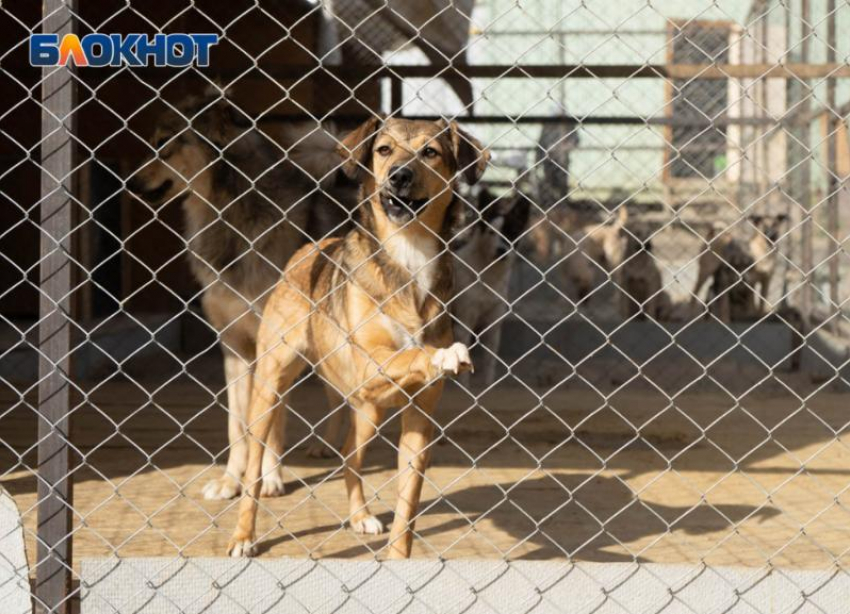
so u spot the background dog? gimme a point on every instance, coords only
(485, 256)
(710, 260)
(763, 250)
(640, 279)
(586, 255)
(247, 208)
(605, 242)
(732, 292)
(368, 312)
(751, 264)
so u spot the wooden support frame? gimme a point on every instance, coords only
(803, 70)
(356, 75)
(55, 491)
(833, 181)
(806, 228)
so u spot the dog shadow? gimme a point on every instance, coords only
(580, 517)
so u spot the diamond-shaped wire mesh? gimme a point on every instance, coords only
(650, 277)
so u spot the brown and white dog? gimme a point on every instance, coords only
(485, 255)
(763, 250)
(368, 312)
(605, 242)
(756, 261)
(248, 205)
(709, 261)
(732, 295)
(591, 253)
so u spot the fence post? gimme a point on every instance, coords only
(807, 248)
(53, 571)
(833, 184)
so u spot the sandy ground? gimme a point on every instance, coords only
(701, 478)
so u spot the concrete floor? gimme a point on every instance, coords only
(515, 476)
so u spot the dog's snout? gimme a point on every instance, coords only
(400, 177)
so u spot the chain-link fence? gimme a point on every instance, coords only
(640, 212)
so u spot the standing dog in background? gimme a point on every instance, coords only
(604, 242)
(485, 255)
(709, 261)
(640, 279)
(763, 250)
(247, 208)
(368, 312)
(733, 298)
(756, 261)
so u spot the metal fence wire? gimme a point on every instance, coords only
(640, 210)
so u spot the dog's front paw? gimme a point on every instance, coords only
(367, 525)
(273, 485)
(225, 487)
(451, 360)
(241, 546)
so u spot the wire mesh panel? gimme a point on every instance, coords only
(575, 277)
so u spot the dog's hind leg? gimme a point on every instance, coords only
(327, 446)
(237, 373)
(276, 370)
(364, 424)
(417, 429)
(272, 470)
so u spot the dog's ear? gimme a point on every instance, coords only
(356, 147)
(470, 154)
(622, 215)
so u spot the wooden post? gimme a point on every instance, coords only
(396, 96)
(833, 183)
(807, 248)
(53, 571)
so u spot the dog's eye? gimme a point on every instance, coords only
(430, 152)
(161, 142)
(384, 150)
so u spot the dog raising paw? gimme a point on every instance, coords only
(452, 360)
(380, 328)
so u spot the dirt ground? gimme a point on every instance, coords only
(572, 474)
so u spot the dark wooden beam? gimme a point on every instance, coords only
(604, 120)
(55, 493)
(356, 75)
(580, 71)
